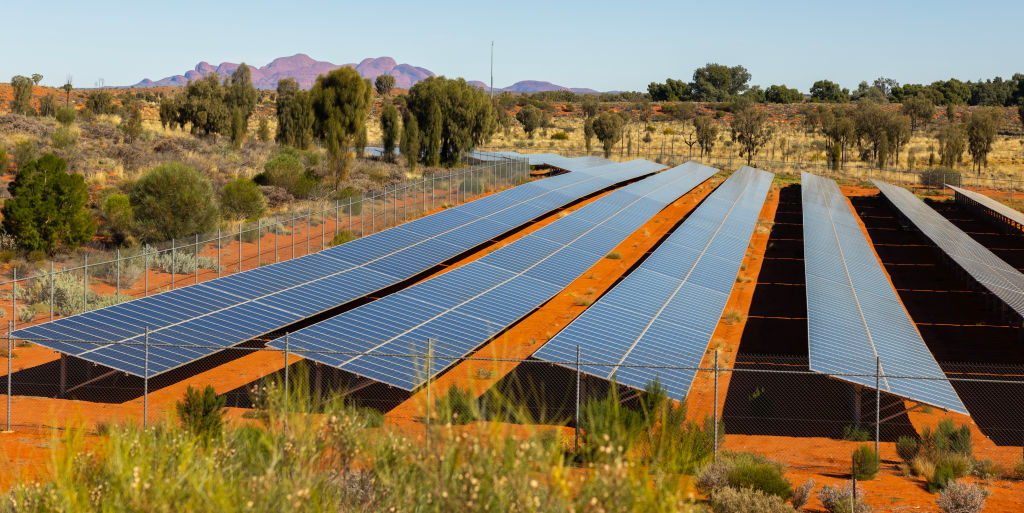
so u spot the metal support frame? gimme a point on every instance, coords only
(10, 357)
(576, 443)
(195, 253)
(714, 407)
(174, 261)
(145, 385)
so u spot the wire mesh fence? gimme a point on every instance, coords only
(748, 394)
(31, 293)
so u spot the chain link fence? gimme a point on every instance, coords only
(32, 293)
(750, 394)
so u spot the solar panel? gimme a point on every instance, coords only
(230, 310)
(989, 207)
(664, 313)
(853, 313)
(1000, 278)
(462, 309)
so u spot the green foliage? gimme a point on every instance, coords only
(588, 132)
(837, 500)
(169, 111)
(453, 117)
(66, 115)
(827, 91)
(48, 208)
(590, 105)
(384, 84)
(48, 105)
(920, 109)
(204, 107)
(202, 413)
(118, 217)
(982, 127)
(608, 129)
(173, 200)
(4, 161)
(389, 128)
(342, 237)
(240, 98)
(238, 128)
(865, 463)
(340, 101)
(21, 98)
(131, 124)
(952, 140)
(561, 136)
(670, 91)
(471, 185)
(707, 133)
(944, 474)
(410, 145)
(907, 447)
(283, 170)
(242, 199)
(717, 82)
(752, 131)
(782, 94)
(747, 500)
(100, 102)
(761, 476)
(960, 497)
(939, 176)
(63, 138)
(294, 115)
(456, 407)
(855, 434)
(263, 132)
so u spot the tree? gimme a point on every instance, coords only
(116, 210)
(608, 129)
(48, 206)
(670, 91)
(531, 118)
(238, 128)
(717, 82)
(952, 142)
(340, 101)
(284, 170)
(410, 145)
(389, 129)
(36, 78)
(782, 94)
(952, 91)
(829, 92)
(264, 130)
(21, 99)
(885, 85)
(920, 109)
(173, 200)
(67, 87)
(66, 116)
(48, 105)
(204, 106)
(752, 131)
(168, 112)
(590, 105)
(588, 132)
(384, 84)
(294, 115)
(242, 199)
(453, 117)
(982, 127)
(240, 94)
(100, 102)
(707, 132)
(131, 125)
(869, 93)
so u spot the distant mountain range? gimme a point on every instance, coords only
(304, 69)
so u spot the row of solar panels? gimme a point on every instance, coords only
(463, 308)
(190, 323)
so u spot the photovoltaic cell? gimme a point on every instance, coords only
(664, 313)
(462, 309)
(196, 321)
(853, 313)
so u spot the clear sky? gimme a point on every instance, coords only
(620, 45)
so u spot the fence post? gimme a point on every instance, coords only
(853, 489)
(323, 227)
(349, 212)
(292, 238)
(85, 284)
(309, 226)
(219, 241)
(195, 253)
(337, 215)
(174, 261)
(277, 234)
(51, 290)
(714, 407)
(240, 246)
(259, 240)
(10, 356)
(878, 399)
(427, 421)
(286, 398)
(145, 273)
(373, 214)
(145, 384)
(576, 444)
(117, 275)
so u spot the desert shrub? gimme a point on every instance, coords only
(560, 136)
(276, 196)
(943, 475)
(986, 469)
(181, 261)
(747, 500)
(668, 440)
(837, 500)
(66, 115)
(961, 497)
(472, 185)
(456, 407)
(856, 434)
(1018, 471)
(802, 494)
(342, 237)
(24, 152)
(614, 256)
(64, 138)
(281, 171)
(25, 314)
(202, 412)
(242, 199)
(865, 463)
(173, 200)
(49, 206)
(716, 475)
(948, 437)
(907, 448)
(130, 271)
(118, 217)
(765, 477)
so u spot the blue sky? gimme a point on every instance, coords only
(598, 44)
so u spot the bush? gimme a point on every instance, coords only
(49, 206)
(457, 407)
(731, 500)
(202, 413)
(472, 185)
(962, 498)
(560, 136)
(856, 434)
(716, 475)
(761, 476)
(837, 500)
(943, 475)
(66, 115)
(242, 199)
(865, 463)
(282, 171)
(614, 256)
(173, 200)
(178, 262)
(802, 494)
(342, 237)
(907, 448)
(986, 469)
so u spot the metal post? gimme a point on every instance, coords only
(85, 284)
(878, 399)
(14, 298)
(286, 381)
(337, 216)
(309, 227)
(714, 407)
(350, 215)
(10, 356)
(117, 277)
(219, 241)
(259, 240)
(323, 228)
(51, 290)
(145, 273)
(195, 253)
(373, 214)
(277, 235)
(292, 238)
(145, 385)
(174, 261)
(427, 421)
(240, 247)
(853, 489)
(362, 214)
(576, 443)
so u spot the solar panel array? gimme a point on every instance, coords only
(190, 323)
(664, 313)
(1000, 278)
(853, 312)
(991, 207)
(463, 308)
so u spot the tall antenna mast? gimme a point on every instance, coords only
(492, 71)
